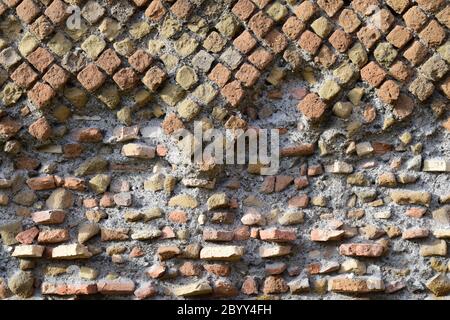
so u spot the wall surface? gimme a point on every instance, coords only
(98, 199)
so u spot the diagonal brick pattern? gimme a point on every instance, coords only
(86, 181)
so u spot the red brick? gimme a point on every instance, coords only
(301, 183)
(57, 12)
(293, 27)
(305, 10)
(53, 236)
(415, 233)
(107, 200)
(403, 107)
(325, 57)
(383, 20)
(48, 217)
(171, 124)
(161, 151)
(247, 74)
(275, 268)
(40, 129)
(221, 270)
(155, 11)
(276, 41)
(315, 170)
(349, 20)
(245, 42)
(321, 235)
(109, 61)
(224, 288)
(41, 94)
(189, 269)
(369, 35)
(354, 285)
(241, 233)
(140, 3)
(24, 76)
(243, 9)
(27, 236)
(400, 71)
(210, 234)
(268, 185)
(416, 53)
(340, 40)
(167, 252)
(361, 249)
(56, 77)
(42, 183)
(120, 287)
(300, 201)
(260, 24)
(282, 182)
(42, 27)
(65, 289)
(88, 135)
(146, 290)
(249, 286)
(373, 74)
(136, 252)
(260, 58)
(178, 216)
(27, 11)
(154, 77)
(331, 7)
(278, 235)
(181, 9)
(312, 107)
(41, 59)
(220, 74)
(389, 92)
(72, 150)
(365, 7)
(119, 234)
(274, 284)
(415, 18)
(297, 150)
(430, 5)
(233, 93)
(433, 34)
(261, 3)
(26, 163)
(140, 60)
(399, 36)
(321, 268)
(73, 183)
(156, 271)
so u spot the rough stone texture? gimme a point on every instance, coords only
(97, 197)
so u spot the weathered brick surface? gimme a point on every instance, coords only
(95, 125)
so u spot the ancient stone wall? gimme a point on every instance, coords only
(99, 200)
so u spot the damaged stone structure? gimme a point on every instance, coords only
(96, 201)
